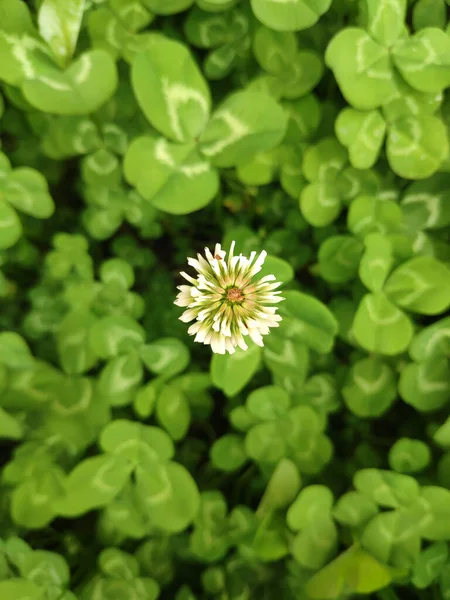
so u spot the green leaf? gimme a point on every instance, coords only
(310, 514)
(245, 124)
(27, 190)
(289, 16)
(207, 30)
(120, 378)
(59, 24)
(93, 483)
(21, 589)
(421, 285)
(424, 60)
(18, 42)
(426, 204)
(410, 102)
(372, 214)
(307, 320)
(264, 442)
(370, 388)
(386, 488)
(118, 564)
(416, 146)
(432, 341)
(436, 526)
(232, 372)
(302, 75)
(320, 203)
(409, 456)
(268, 403)
(10, 427)
(274, 50)
(261, 170)
(30, 388)
(173, 177)
(170, 89)
(354, 509)
(10, 226)
(313, 546)
(297, 73)
(305, 115)
(429, 565)
(312, 502)
(376, 262)
(167, 7)
(429, 13)
(170, 497)
(173, 412)
(75, 353)
(136, 442)
(114, 335)
(324, 160)
(273, 265)
(442, 434)
(14, 351)
(287, 359)
(386, 20)
(46, 569)
(32, 502)
(220, 62)
(426, 385)
(145, 399)
(363, 134)
(166, 356)
(379, 326)
(362, 68)
(320, 392)
(353, 571)
(228, 453)
(81, 89)
(339, 257)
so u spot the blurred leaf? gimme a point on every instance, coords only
(243, 125)
(166, 356)
(170, 89)
(59, 24)
(409, 456)
(375, 322)
(421, 285)
(300, 15)
(307, 320)
(232, 372)
(353, 571)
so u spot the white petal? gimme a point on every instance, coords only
(193, 262)
(267, 278)
(182, 301)
(240, 342)
(189, 278)
(194, 328)
(259, 263)
(208, 255)
(255, 336)
(188, 315)
(219, 252)
(218, 344)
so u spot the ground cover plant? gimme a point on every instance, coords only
(303, 458)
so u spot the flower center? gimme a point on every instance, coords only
(234, 294)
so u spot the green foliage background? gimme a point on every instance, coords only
(134, 464)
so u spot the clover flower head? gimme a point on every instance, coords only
(227, 302)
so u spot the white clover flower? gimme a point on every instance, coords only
(226, 300)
